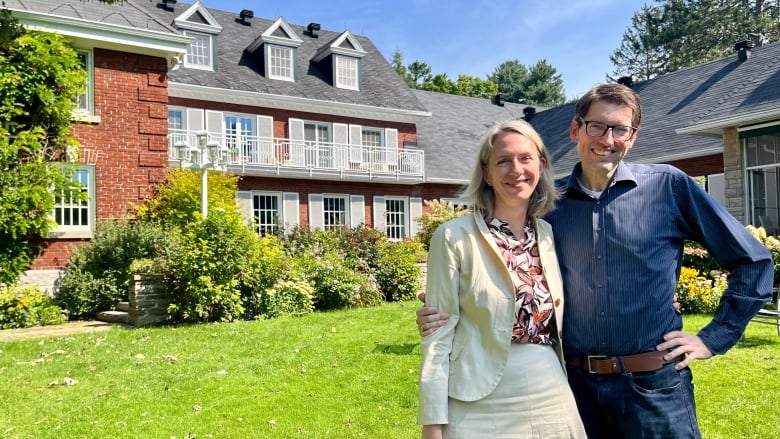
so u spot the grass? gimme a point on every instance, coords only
(346, 374)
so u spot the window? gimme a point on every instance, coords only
(280, 62)
(373, 150)
(762, 159)
(395, 218)
(319, 148)
(74, 210)
(346, 72)
(266, 212)
(239, 133)
(334, 210)
(84, 101)
(199, 52)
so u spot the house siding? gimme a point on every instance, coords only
(128, 146)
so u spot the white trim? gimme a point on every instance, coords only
(715, 127)
(181, 21)
(293, 39)
(90, 34)
(335, 48)
(293, 103)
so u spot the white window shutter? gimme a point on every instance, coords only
(315, 212)
(214, 124)
(391, 143)
(195, 119)
(379, 214)
(244, 201)
(357, 209)
(355, 143)
(415, 210)
(290, 210)
(265, 126)
(297, 153)
(265, 143)
(341, 144)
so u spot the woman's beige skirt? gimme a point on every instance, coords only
(532, 400)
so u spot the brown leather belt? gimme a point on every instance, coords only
(603, 365)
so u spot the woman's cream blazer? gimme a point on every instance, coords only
(467, 277)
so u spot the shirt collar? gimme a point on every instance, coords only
(623, 173)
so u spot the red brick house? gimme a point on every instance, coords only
(323, 132)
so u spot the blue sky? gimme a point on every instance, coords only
(473, 36)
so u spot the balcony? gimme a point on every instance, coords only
(266, 156)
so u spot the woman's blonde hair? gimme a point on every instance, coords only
(481, 196)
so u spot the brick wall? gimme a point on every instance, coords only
(128, 146)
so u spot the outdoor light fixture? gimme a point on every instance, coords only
(208, 154)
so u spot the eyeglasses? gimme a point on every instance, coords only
(598, 129)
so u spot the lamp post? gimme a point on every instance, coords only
(207, 154)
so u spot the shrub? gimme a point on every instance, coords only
(336, 285)
(438, 213)
(265, 268)
(205, 275)
(26, 306)
(772, 244)
(177, 201)
(397, 273)
(98, 273)
(286, 298)
(698, 294)
(698, 258)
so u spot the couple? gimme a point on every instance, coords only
(506, 363)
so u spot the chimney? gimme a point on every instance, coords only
(499, 100)
(245, 15)
(168, 4)
(529, 113)
(312, 30)
(743, 49)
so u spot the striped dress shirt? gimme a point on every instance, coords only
(620, 256)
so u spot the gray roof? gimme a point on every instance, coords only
(380, 84)
(699, 101)
(131, 13)
(451, 136)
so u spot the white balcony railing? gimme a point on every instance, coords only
(278, 153)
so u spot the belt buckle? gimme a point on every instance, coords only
(594, 357)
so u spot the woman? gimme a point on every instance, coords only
(495, 369)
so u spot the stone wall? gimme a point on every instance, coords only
(149, 299)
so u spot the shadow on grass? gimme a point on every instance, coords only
(755, 341)
(395, 349)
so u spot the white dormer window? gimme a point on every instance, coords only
(280, 62)
(199, 52)
(198, 23)
(277, 46)
(344, 54)
(346, 72)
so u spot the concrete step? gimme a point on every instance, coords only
(113, 317)
(123, 306)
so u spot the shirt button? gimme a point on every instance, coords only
(598, 256)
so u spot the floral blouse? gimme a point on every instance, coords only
(533, 320)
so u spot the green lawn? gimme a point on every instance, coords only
(346, 374)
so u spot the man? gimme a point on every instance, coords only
(619, 231)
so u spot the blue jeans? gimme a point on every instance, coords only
(655, 404)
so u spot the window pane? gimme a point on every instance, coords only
(72, 208)
(266, 213)
(280, 62)
(199, 52)
(334, 212)
(395, 218)
(346, 72)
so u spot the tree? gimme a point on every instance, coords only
(40, 78)
(683, 33)
(397, 61)
(419, 72)
(640, 55)
(536, 85)
(475, 87)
